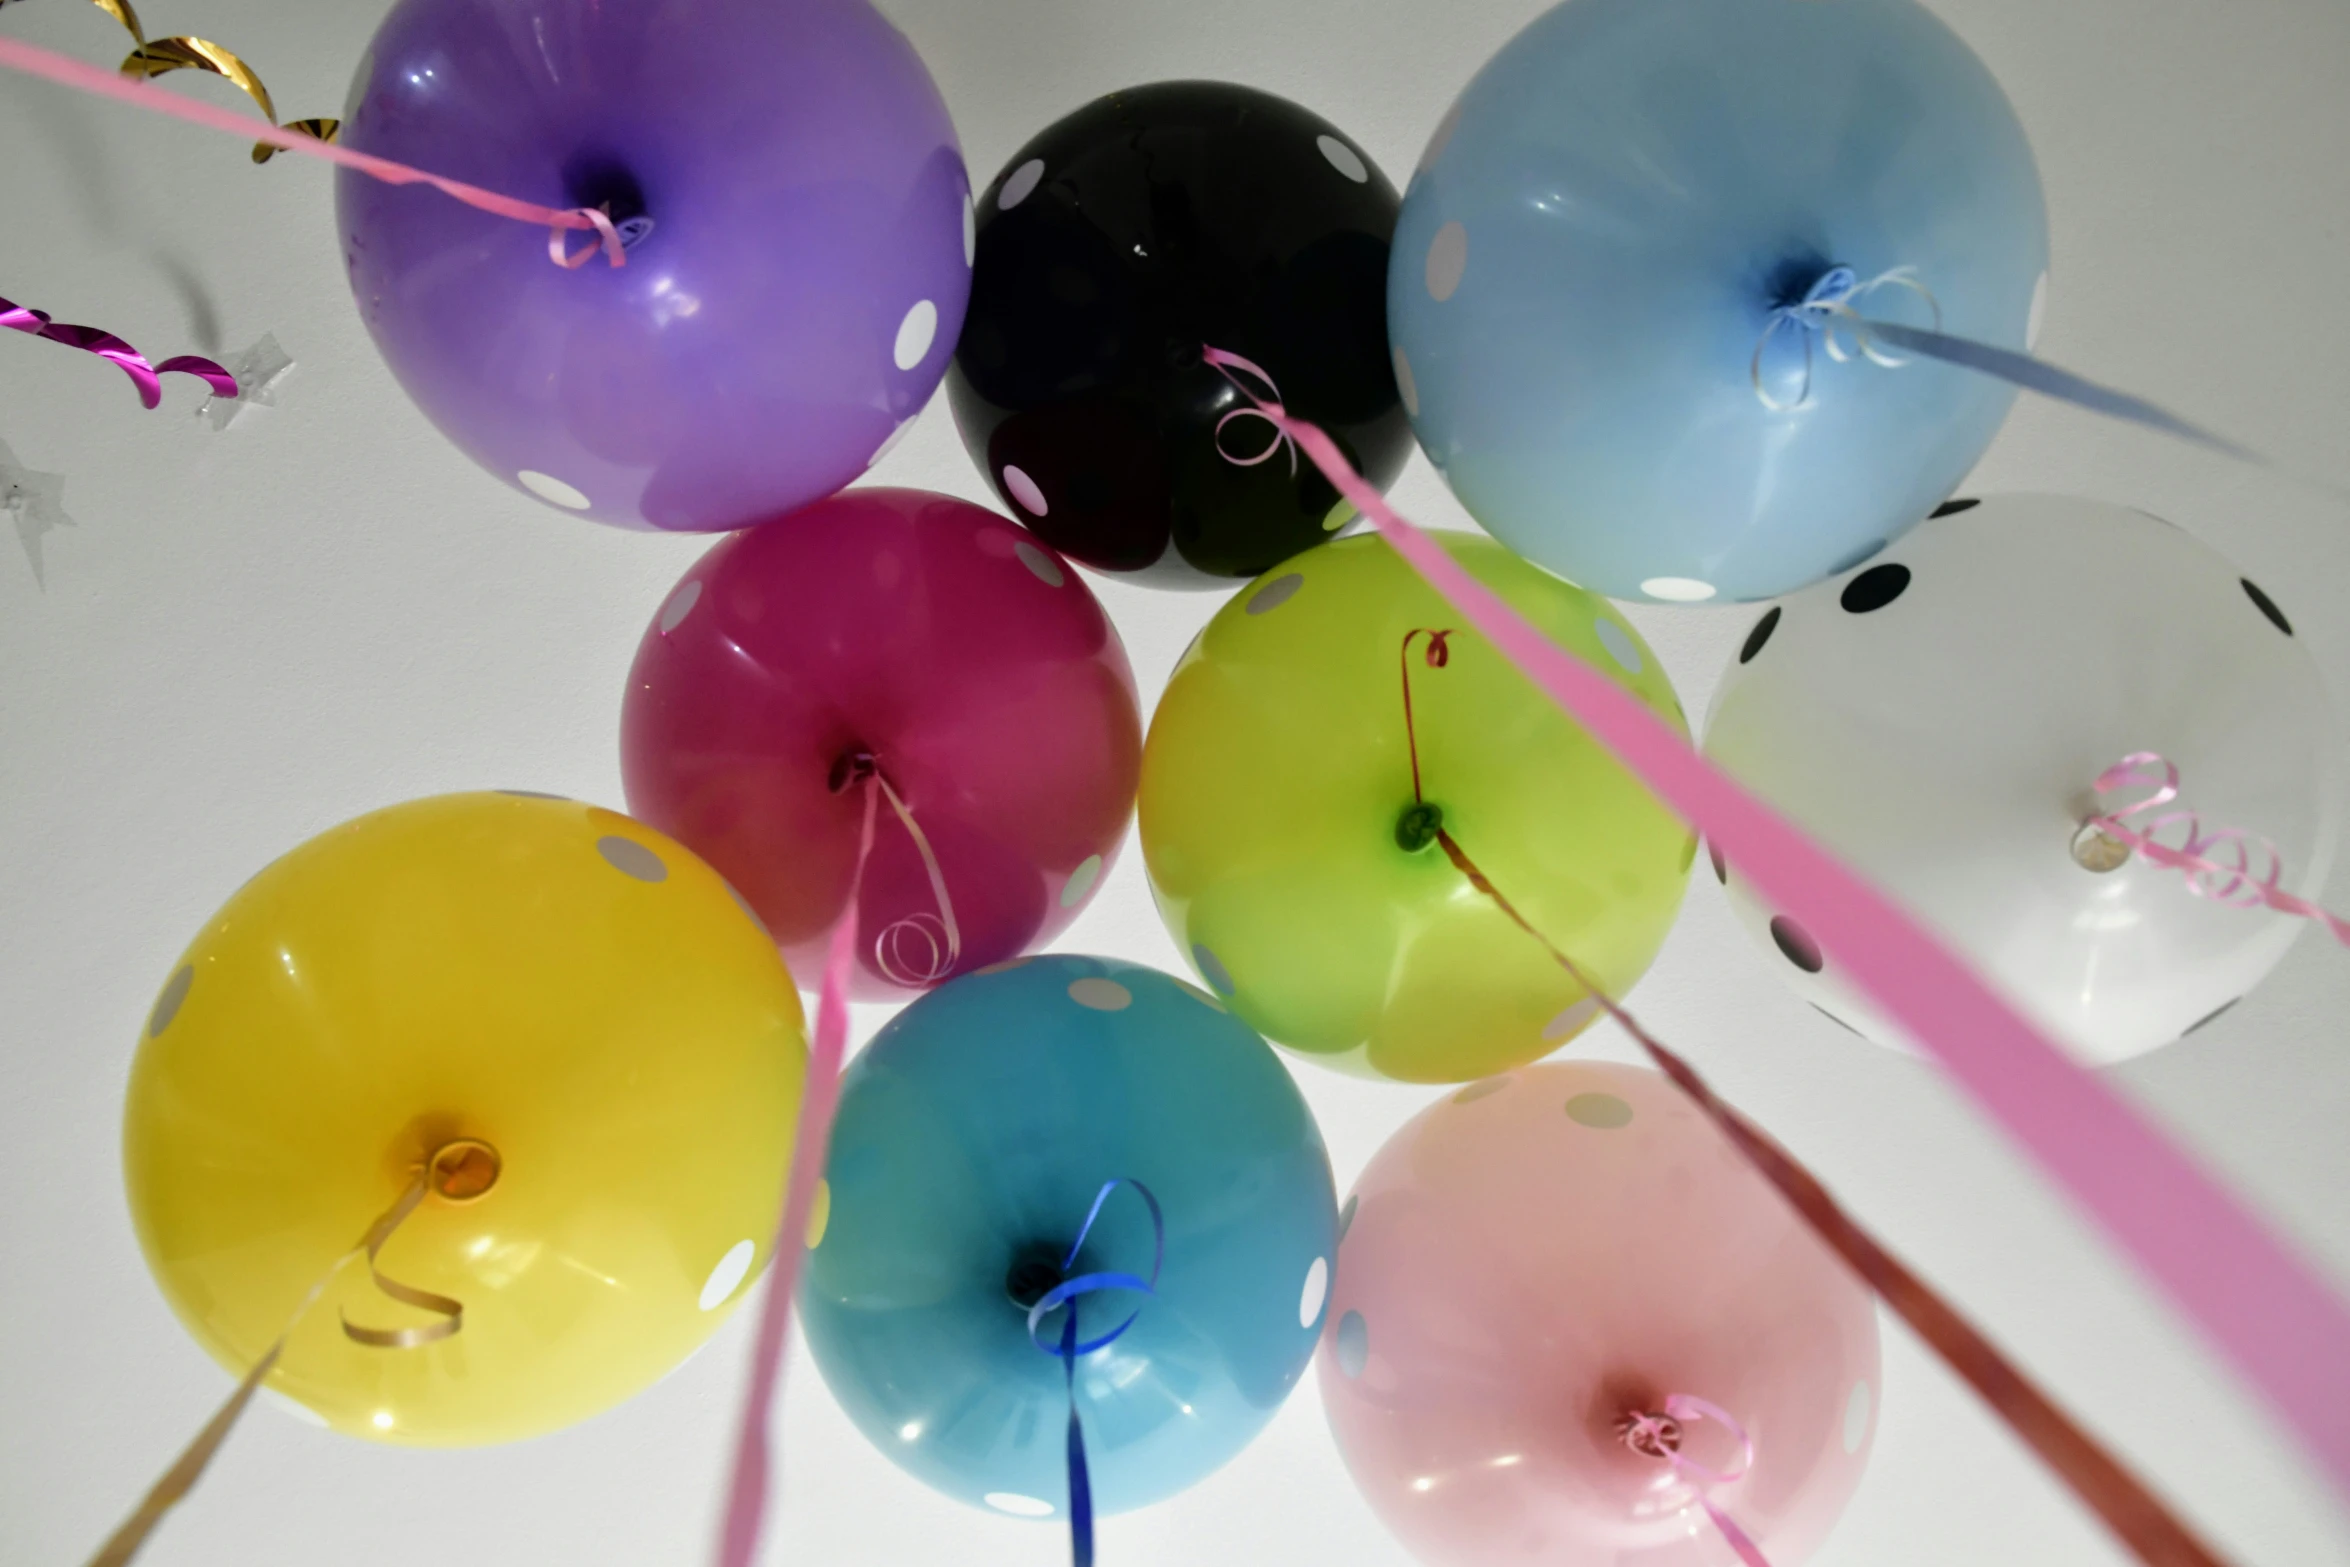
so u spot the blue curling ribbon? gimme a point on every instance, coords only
(1071, 1345)
(1833, 304)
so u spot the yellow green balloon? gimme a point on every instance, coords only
(572, 991)
(1278, 819)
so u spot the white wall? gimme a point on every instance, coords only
(253, 634)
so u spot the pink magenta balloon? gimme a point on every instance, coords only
(1537, 1257)
(920, 636)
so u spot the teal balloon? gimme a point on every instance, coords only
(972, 1137)
(1598, 237)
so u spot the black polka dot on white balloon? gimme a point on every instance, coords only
(1796, 945)
(1833, 1018)
(2267, 606)
(1953, 508)
(1875, 588)
(1713, 853)
(1759, 635)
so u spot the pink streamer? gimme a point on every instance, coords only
(746, 1499)
(94, 340)
(2239, 885)
(1661, 1437)
(69, 72)
(2260, 1305)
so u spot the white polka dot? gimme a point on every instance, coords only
(970, 231)
(1017, 1505)
(1343, 158)
(631, 858)
(1019, 184)
(1024, 490)
(167, 1005)
(549, 488)
(1678, 590)
(1101, 995)
(889, 445)
(1856, 1417)
(1275, 593)
(1406, 385)
(1338, 516)
(681, 604)
(1448, 258)
(1569, 1021)
(1080, 881)
(728, 1276)
(1619, 645)
(1309, 1304)
(2031, 341)
(1004, 967)
(286, 1404)
(1040, 565)
(916, 333)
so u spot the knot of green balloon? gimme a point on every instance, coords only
(1418, 826)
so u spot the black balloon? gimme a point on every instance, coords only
(1112, 247)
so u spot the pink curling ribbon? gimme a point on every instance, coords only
(93, 340)
(2264, 1308)
(941, 937)
(746, 1497)
(2248, 883)
(51, 66)
(1660, 1436)
(1267, 409)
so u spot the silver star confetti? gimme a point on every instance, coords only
(258, 371)
(35, 502)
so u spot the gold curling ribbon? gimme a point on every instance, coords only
(189, 1467)
(162, 56)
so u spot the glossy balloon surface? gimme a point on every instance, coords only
(1536, 1257)
(1938, 720)
(1591, 251)
(967, 660)
(974, 1133)
(554, 980)
(791, 306)
(1276, 780)
(1111, 247)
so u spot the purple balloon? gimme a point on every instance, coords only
(799, 228)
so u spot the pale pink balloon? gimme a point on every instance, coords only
(1537, 1257)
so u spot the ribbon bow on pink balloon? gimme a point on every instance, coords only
(1661, 1436)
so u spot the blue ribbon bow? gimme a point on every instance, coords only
(1070, 1346)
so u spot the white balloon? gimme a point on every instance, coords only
(1938, 717)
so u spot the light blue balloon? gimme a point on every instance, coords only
(1594, 245)
(974, 1133)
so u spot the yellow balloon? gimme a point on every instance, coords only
(572, 991)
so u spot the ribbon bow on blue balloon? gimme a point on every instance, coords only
(1070, 1345)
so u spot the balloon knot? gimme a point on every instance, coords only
(1418, 826)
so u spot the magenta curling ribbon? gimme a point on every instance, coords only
(66, 71)
(2264, 1308)
(148, 378)
(2249, 883)
(1660, 1436)
(746, 1497)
